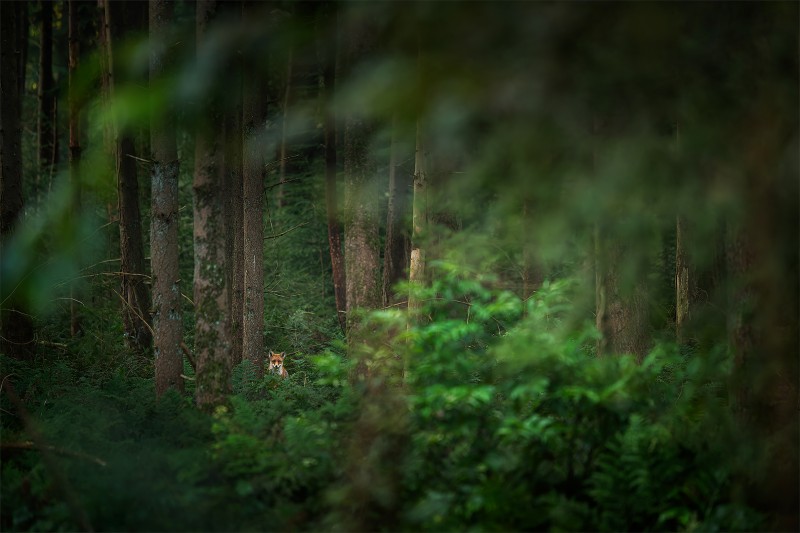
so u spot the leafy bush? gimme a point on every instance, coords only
(513, 425)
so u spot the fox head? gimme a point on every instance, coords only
(276, 362)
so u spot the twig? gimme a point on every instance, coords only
(188, 378)
(188, 355)
(281, 234)
(53, 344)
(278, 184)
(30, 445)
(129, 306)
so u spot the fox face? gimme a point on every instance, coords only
(276, 364)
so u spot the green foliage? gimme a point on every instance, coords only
(515, 427)
(509, 423)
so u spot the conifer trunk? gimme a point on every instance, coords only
(211, 296)
(164, 247)
(253, 114)
(16, 327)
(396, 252)
(327, 52)
(416, 271)
(47, 100)
(232, 190)
(74, 143)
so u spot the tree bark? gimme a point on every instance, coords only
(396, 252)
(361, 224)
(253, 115)
(164, 243)
(762, 260)
(685, 283)
(232, 190)
(136, 308)
(621, 305)
(283, 155)
(16, 327)
(74, 144)
(327, 48)
(416, 271)
(134, 293)
(47, 99)
(211, 296)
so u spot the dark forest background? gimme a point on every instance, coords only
(532, 266)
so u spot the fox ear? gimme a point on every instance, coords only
(283, 354)
(271, 353)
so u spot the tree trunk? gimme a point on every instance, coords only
(362, 265)
(326, 48)
(396, 252)
(232, 190)
(621, 305)
(136, 309)
(361, 224)
(253, 115)
(164, 248)
(762, 263)
(416, 271)
(134, 292)
(74, 144)
(211, 297)
(16, 327)
(282, 156)
(47, 99)
(685, 284)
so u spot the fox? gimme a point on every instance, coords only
(276, 364)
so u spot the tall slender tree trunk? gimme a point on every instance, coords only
(47, 100)
(685, 283)
(283, 155)
(74, 143)
(326, 48)
(23, 26)
(164, 247)
(361, 224)
(211, 295)
(253, 116)
(762, 259)
(416, 271)
(136, 308)
(232, 190)
(16, 327)
(396, 250)
(134, 293)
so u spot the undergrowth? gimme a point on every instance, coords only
(507, 424)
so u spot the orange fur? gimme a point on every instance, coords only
(276, 364)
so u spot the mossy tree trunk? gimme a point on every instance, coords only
(211, 297)
(164, 247)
